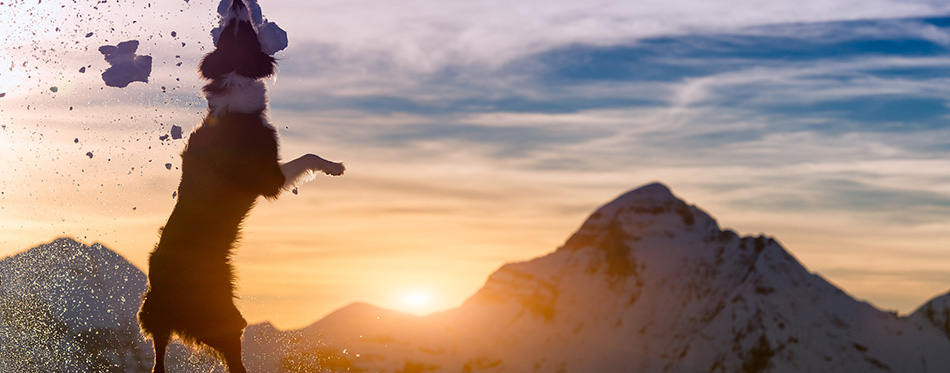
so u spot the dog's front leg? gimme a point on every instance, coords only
(302, 169)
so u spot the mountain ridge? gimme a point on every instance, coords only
(647, 283)
(659, 259)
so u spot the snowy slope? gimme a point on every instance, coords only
(649, 283)
(323, 346)
(70, 307)
(680, 294)
(65, 306)
(936, 312)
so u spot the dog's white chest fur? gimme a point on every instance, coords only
(241, 95)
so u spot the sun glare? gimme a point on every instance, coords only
(416, 301)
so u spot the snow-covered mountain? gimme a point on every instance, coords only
(68, 307)
(648, 283)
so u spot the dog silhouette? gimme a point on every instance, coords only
(229, 161)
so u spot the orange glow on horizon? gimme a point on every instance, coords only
(416, 301)
(415, 226)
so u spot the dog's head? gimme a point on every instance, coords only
(238, 50)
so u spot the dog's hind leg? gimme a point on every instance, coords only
(230, 348)
(302, 169)
(160, 343)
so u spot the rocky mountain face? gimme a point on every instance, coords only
(648, 283)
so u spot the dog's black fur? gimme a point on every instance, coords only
(230, 160)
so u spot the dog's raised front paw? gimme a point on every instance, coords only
(333, 168)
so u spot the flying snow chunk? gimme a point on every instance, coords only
(176, 132)
(273, 38)
(127, 67)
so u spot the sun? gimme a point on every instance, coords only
(416, 301)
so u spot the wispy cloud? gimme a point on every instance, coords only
(426, 35)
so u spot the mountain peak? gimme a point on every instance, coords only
(650, 199)
(357, 313)
(359, 308)
(650, 193)
(652, 208)
(65, 241)
(60, 246)
(657, 275)
(652, 189)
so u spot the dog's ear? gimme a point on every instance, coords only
(258, 66)
(215, 65)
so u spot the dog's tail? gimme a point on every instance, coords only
(239, 50)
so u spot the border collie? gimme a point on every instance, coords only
(230, 160)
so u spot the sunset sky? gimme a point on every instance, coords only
(477, 133)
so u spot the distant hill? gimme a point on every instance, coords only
(68, 307)
(648, 284)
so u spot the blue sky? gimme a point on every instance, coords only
(483, 132)
(761, 96)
